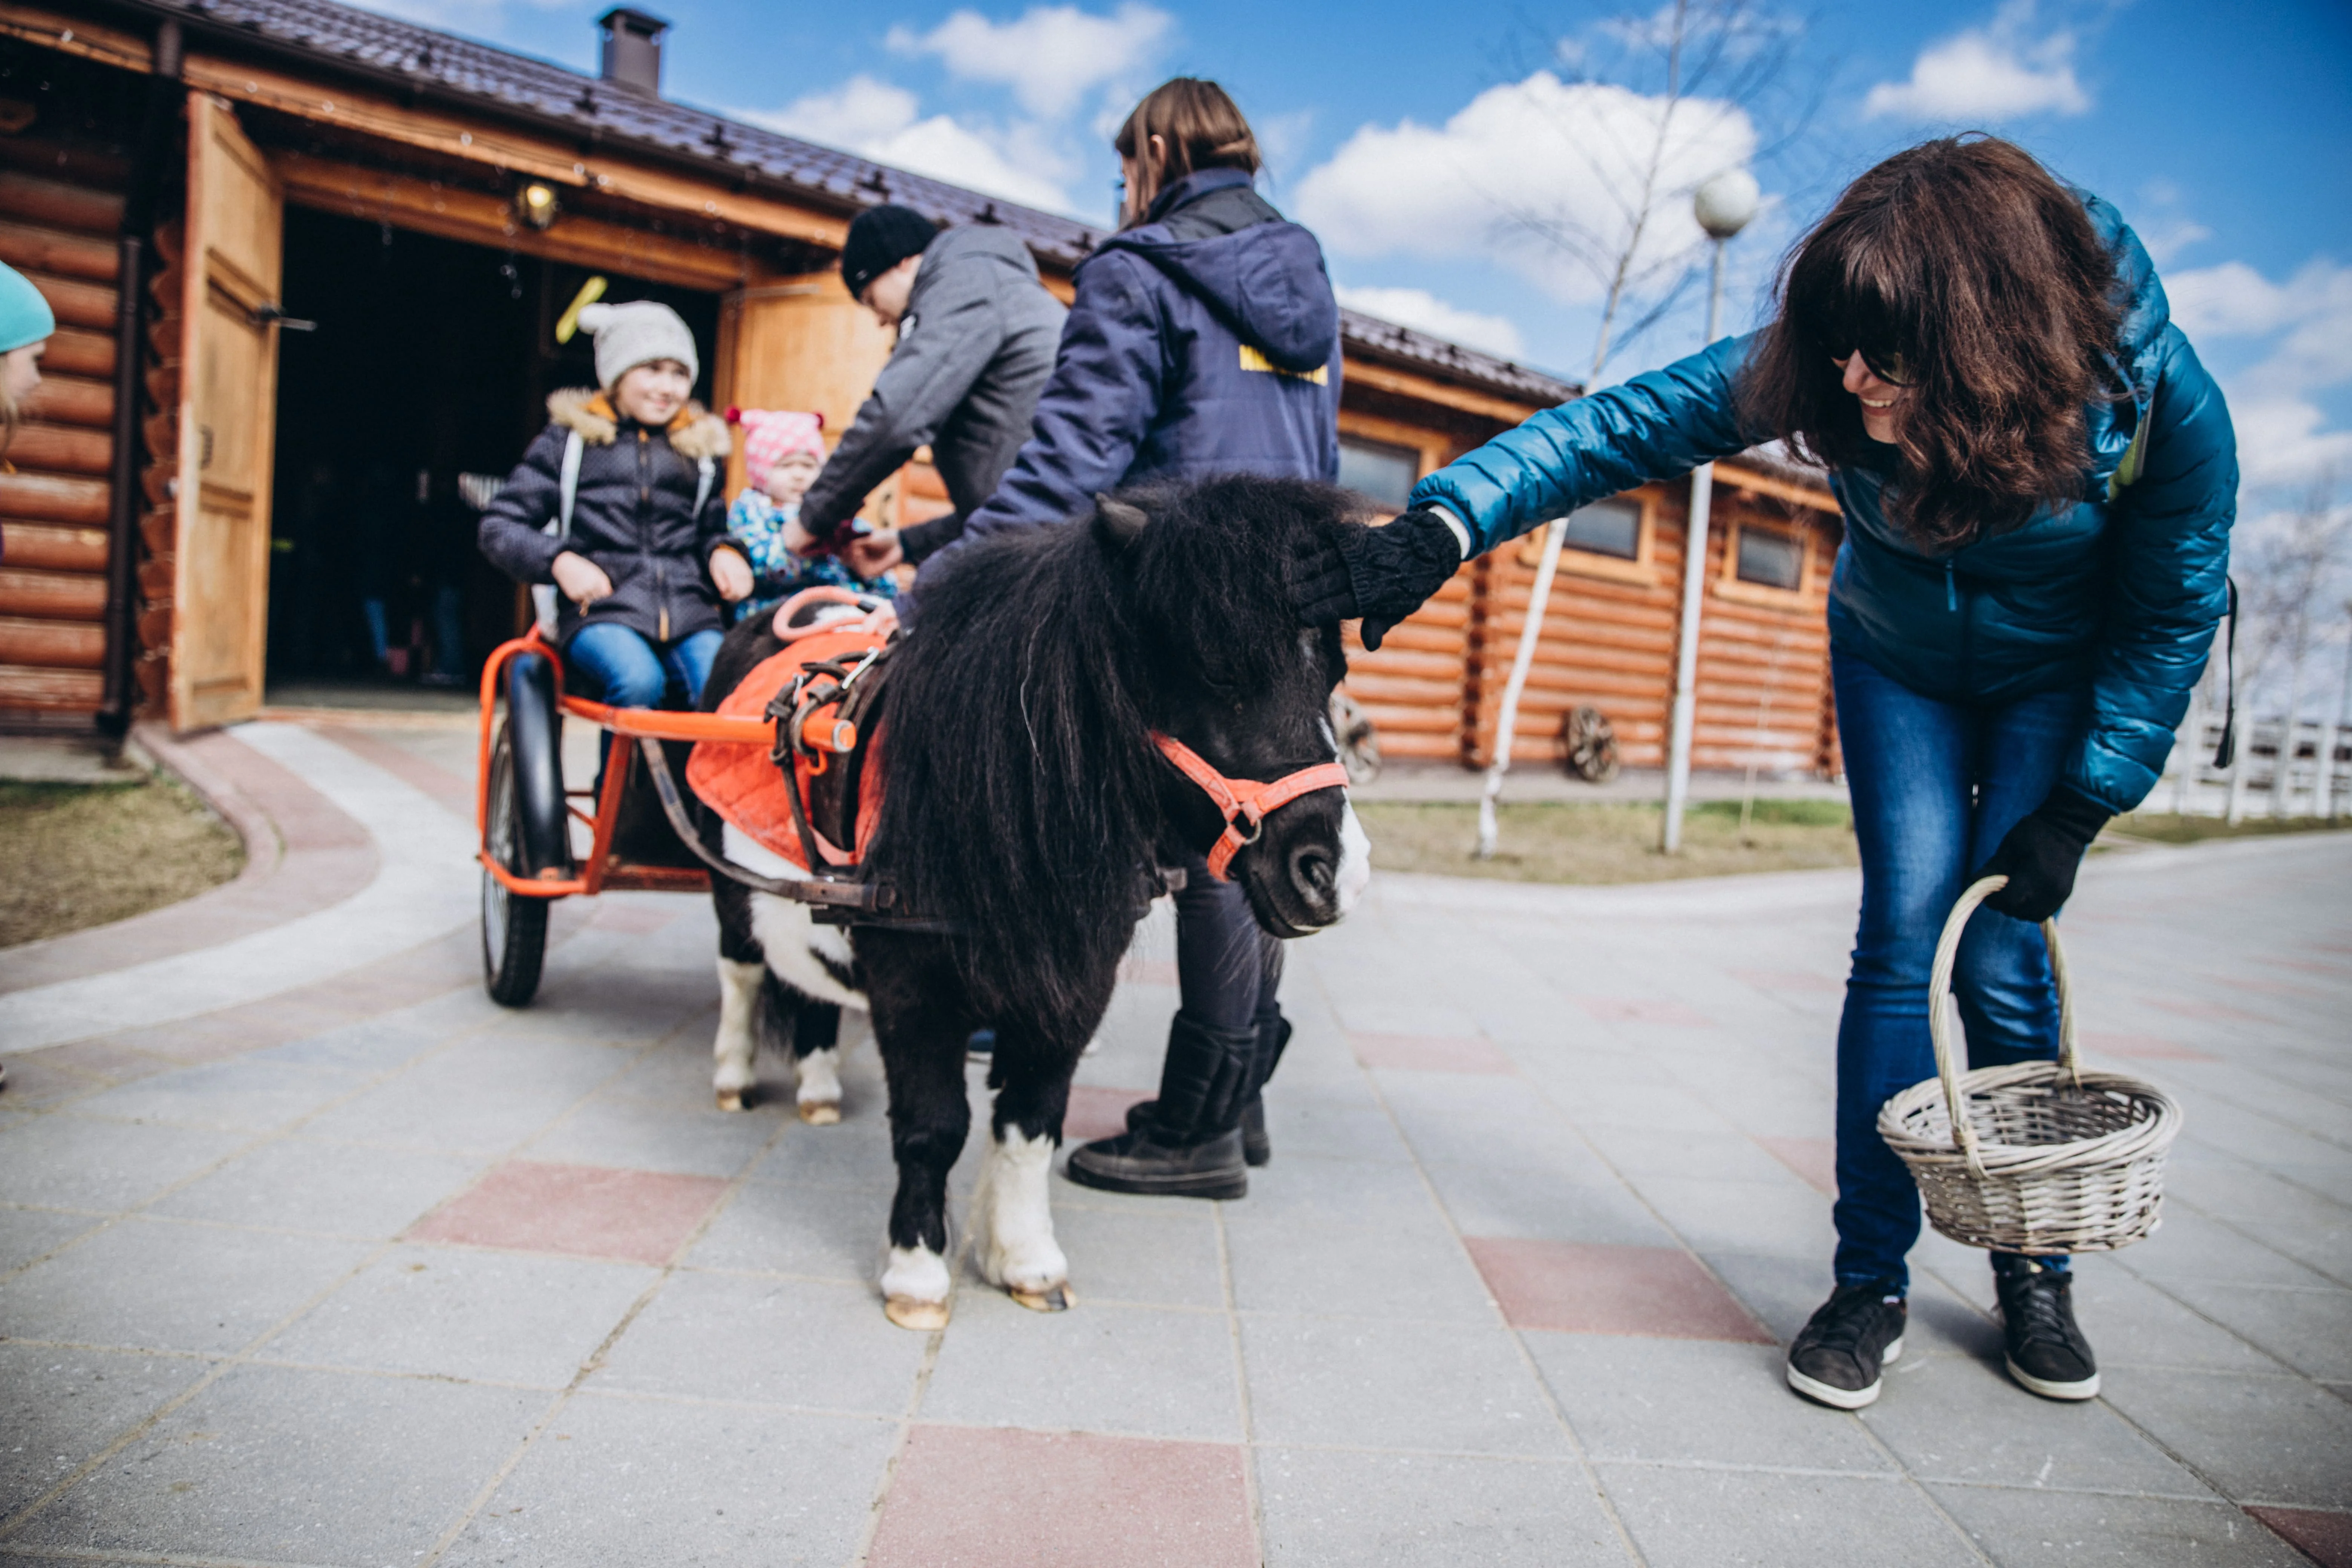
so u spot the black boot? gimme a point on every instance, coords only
(1187, 1142)
(1273, 1035)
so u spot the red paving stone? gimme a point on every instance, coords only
(1815, 1159)
(586, 1211)
(1636, 1010)
(2151, 1047)
(984, 1497)
(453, 794)
(2325, 1538)
(2192, 1007)
(1097, 1112)
(1788, 980)
(1430, 1053)
(1580, 1287)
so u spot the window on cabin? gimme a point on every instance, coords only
(1770, 560)
(1378, 471)
(1607, 527)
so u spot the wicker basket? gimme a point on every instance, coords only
(2049, 1158)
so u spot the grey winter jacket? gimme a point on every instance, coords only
(974, 350)
(633, 515)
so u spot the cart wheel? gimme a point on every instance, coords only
(514, 926)
(1588, 746)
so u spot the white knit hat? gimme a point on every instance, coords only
(637, 333)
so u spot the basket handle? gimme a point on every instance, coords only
(1939, 1023)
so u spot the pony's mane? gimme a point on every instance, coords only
(1022, 793)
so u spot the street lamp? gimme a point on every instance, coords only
(1724, 205)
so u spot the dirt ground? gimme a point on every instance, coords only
(2164, 827)
(1545, 842)
(82, 854)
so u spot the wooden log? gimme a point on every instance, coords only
(24, 688)
(28, 249)
(77, 303)
(155, 579)
(47, 498)
(62, 448)
(52, 645)
(75, 351)
(54, 549)
(155, 626)
(57, 204)
(154, 674)
(158, 530)
(72, 400)
(74, 162)
(52, 596)
(1403, 745)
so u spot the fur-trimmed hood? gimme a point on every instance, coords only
(694, 434)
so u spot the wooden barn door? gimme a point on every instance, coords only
(228, 409)
(803, 345)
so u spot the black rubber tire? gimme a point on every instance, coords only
(514, 926)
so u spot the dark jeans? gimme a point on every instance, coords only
(1935, 786)
(1224, 1037)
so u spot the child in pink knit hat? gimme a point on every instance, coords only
(783, 451)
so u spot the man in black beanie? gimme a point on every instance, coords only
(977, 334)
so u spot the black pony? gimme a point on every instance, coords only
(1027, 800)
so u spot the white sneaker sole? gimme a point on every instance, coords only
(2086, 1389)
(1846, 1398)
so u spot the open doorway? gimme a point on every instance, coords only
(432, 360)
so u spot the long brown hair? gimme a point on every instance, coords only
(1963, 272)
(1200, 125)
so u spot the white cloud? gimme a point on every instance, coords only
(878, 121)
(1540, 174)
(1425, 313)
(1990, 73)
(1052, 57)
(2282, 437)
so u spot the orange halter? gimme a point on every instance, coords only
(1245, 801)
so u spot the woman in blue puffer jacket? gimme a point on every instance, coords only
(1204, 339)
(2038, 480)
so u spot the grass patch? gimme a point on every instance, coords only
(1553, 842)
(2164, 827)
(82, 854)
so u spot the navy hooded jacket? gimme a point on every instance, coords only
(2120, 591)
(1203, 341)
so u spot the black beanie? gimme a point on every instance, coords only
(879, 238)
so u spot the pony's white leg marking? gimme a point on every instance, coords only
(739, 1001)
(1355, 859)
(915, 1288)
(1012, 1223)
(819, 1095)
(796, 947)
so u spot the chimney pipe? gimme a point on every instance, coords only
(633, 49)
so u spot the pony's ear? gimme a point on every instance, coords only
(1119, 524)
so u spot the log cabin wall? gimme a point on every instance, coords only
(60, 218)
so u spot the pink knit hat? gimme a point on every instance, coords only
(771, 435)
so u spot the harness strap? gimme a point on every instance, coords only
(1244, 802)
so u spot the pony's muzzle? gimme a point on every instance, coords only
(1315, 874)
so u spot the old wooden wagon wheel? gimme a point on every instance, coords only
(1588, 746)
(1359, 744)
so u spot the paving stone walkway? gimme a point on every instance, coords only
(308, 1255)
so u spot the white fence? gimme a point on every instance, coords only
(2312, 776)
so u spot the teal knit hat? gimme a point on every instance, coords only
(25, 316)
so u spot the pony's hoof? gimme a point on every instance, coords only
(733, 1099)
(1055, 1299)
(820, 1112)
(920, 1316)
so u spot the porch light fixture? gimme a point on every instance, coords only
(536, 206)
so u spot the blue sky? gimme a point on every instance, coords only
(1428, 145)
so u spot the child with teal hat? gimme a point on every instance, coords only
(25, 323)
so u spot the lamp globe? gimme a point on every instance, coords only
(1724, 204)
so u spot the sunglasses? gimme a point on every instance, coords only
(1889, 368)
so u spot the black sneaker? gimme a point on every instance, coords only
(1255, 1149)
(1134, 1161)
(2047, 1352)
(1837, 1355)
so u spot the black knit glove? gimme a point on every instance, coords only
(1381, 574)
(2040, 855)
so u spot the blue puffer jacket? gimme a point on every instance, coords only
(1203, 341)
(2121, 591)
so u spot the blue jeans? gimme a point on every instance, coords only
(626, 669)
(1935, 785)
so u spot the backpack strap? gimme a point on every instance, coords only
(708, 469)
(568, 483)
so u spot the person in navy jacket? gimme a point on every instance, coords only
(2038, 480)
(1203, 340)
